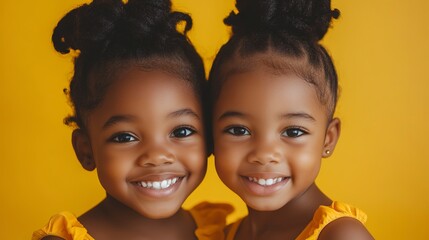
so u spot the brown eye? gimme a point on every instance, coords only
(123, 138)
(182, 132)
(293, 132)
(237, 131)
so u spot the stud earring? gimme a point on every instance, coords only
(327, 152)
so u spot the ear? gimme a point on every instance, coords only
(82, 149)
(331, 137)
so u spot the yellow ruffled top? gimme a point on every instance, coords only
(209, 217)
(326, 214)
(211, 220)
(322, 217)
(64, 225)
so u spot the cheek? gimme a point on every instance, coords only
(306, 162)
(227, 159)
(193, 158)
(113, 165)
(310, 150)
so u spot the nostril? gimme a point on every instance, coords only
(155, 158)
(148, 164)
(265, 158)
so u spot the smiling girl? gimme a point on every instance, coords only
(274, 91)
(138, 92)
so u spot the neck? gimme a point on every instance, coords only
(293, 217)
(110, 219)
(122, 214)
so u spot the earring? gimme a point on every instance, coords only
(328, 152)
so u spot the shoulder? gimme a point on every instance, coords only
(210, 219)
(62, 226)
(207, 213)
(345, 228)
(52, 238)
(231, 230)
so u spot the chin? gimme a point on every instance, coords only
(162, 215)
(160, 212)
(264, 205)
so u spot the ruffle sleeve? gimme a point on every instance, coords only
(326, 214)
(211, 220)
(64, 225)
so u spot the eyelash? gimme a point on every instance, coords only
(119, 138)
(189, 132)
(291, 132)
(297, 132)
(230, 130)
(128, 137)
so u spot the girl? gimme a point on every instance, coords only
(138, 95)
(274, 91)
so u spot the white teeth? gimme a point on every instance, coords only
(158, 185)
(265, 182)
(164, 184)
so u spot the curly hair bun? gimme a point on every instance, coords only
(92, 26)
(308, 19)
(153, 19)
(85, 26)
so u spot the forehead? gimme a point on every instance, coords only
(146, 94)
(147, 83)
(265, 92)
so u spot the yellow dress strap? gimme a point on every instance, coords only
(233, 228)
(64, 225)
(210, 219)
(326, 214)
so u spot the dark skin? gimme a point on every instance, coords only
(112, 220)
(271, 225)
(148, 130)
(270, 133)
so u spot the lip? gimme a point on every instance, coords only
(158, 185)
(264, 184)
(157, 177)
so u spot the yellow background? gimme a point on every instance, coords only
(381, 163)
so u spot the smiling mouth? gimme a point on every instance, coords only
(159, 185)
(266, 181)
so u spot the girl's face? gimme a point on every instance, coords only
(147, 142)
(270, 133)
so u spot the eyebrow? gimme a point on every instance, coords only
(129, 118)
(231, 114)
(298, 115)
(287, 115)
(183, 112)
(118, 118)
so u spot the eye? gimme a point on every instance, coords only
(123, 138)
(293, 132)
(182, 132)
(237, 131)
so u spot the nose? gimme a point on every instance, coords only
(155, 155)
(265, 151)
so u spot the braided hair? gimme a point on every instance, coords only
(284, 36)
(107, 36)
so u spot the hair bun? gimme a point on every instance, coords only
(145, 15)
(86, 26)
(150, 17)
(304, 18)
(93, 26)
